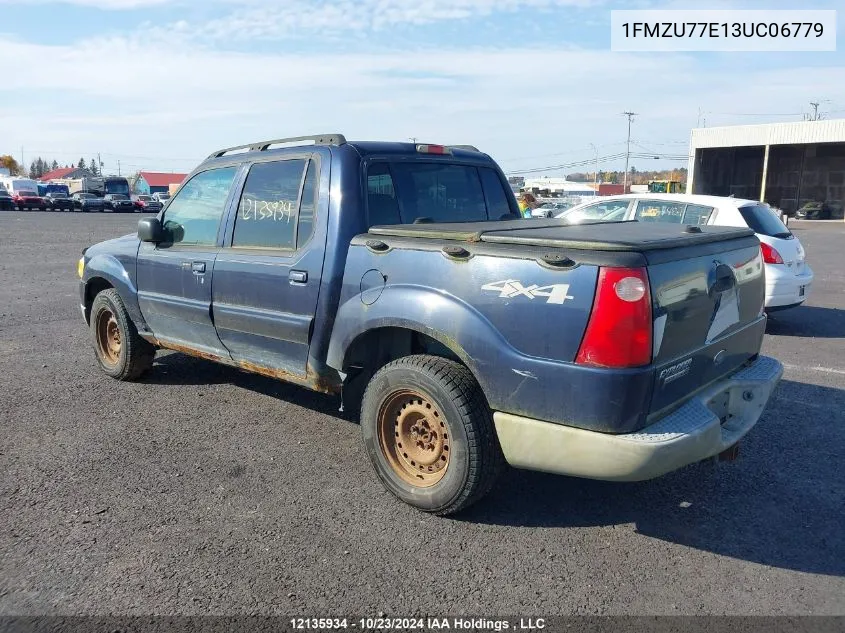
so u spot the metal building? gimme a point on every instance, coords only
(789, 165)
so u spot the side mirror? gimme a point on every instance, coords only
(150, 230)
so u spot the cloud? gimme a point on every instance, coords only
(109, 5)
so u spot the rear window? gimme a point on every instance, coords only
(437, 192)
(761, 219)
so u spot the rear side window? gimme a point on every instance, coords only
(660, 211)
(269, 206)
(440, 192)
(697, 214)
(762, 220)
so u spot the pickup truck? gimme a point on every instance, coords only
(400, 277)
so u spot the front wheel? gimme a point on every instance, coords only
(429, 433)
(120, 350)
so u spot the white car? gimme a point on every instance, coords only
(788, 277)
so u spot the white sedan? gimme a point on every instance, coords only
(788, 277)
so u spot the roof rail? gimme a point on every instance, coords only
(471, 148)
(260, 146)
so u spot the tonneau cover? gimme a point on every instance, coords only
(609, 236)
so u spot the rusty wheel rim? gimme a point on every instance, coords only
(414, 438)
(108, 337)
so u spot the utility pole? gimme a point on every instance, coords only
(630, 116)
(23, 162)
(118, 167)
(99, 165)
(596, 173)
(815, 105)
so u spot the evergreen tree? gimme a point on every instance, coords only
(92, 165)
(54, 166)
(81, 164)
(40, 167)
(33, 170)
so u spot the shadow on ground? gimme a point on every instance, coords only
(779, 505)
(808, 321)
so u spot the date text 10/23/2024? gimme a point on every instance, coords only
(418, 624)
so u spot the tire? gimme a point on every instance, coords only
(434, 409)
(119, 349)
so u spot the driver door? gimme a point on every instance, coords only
(174, 276)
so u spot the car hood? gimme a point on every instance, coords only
(125, 244)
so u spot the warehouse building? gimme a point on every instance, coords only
(789, 165)
(150, 182)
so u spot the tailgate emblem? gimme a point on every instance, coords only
(670, 374)
(508, 289)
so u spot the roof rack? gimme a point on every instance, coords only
(471, 148)
(260, 146)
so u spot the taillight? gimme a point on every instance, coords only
(433, 149)
(619, 331)
(770, 254)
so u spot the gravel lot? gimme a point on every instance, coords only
(205, 490)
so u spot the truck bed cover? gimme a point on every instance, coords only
(609, 236)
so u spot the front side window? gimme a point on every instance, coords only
(268, 210)
(193, 216)
(597, 210)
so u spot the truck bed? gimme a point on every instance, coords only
(610, 236)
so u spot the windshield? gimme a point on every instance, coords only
(116, 186)
(144, 198)
(117, 196)
(762, 220)
(26, 192)
(86, 195)
(164, 196)
(57, 194)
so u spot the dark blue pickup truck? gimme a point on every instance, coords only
(400, 277)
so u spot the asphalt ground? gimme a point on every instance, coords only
(205, 490)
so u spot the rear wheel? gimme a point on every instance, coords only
(429, 434)
(119, 349)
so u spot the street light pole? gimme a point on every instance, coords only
(596, 173)
(630, 116)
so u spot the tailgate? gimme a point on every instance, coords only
(708, 316)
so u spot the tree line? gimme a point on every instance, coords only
(634, 177)
(40, 166)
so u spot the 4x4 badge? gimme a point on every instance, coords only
(511, 288)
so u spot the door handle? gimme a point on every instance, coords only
(298, 277)
(198, 267)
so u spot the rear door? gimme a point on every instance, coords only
(174, 277)
(267, 279)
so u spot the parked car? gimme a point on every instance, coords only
(6, 201)
(788, 276)
(146, 203)
(24, 192)
(58, 201)
(618, 351)
(814, 211)
(88, 202)
(161, 197)
(118, 203)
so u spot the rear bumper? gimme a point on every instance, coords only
(709, 423)
(783, 287)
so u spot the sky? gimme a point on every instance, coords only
(160, 84)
